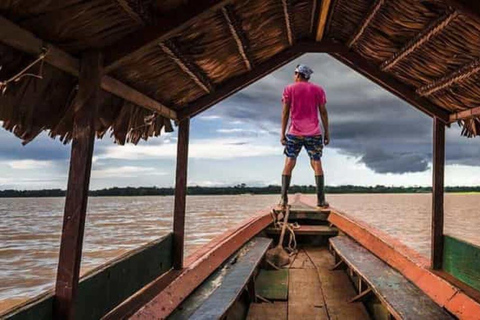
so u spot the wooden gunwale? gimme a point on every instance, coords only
(200, 265)
(407, 261)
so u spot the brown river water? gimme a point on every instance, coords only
(30, 228)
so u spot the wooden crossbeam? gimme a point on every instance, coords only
(448, 80)
(238, 35)
(128, 9)
(362, 295)
(23, 40)
(193, 71)
(125, 92)
(324, 46)
(236, 84)
(365, 22)
(161, 30)
(372, 72)
(287, 13)
(465, 114)
(432, 30)
(323, 18)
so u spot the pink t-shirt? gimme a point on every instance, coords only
(304, 99)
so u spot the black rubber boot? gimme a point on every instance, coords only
(320, 181)
(285, 186)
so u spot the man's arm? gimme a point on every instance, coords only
(324, 116)
(285, 116)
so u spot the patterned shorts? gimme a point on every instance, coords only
(313, 145)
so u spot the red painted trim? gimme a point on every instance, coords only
(200, 265)
(407, 261)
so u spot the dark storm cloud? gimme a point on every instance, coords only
(42, 148)
(367, 122)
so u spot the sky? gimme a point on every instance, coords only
(376, 138)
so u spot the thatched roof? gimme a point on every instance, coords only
(165, 60)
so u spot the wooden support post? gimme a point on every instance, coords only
(85, 105)
(438, 192)
(180, 193)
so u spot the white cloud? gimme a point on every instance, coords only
(242, 130)
(215, 149)
(28, 164)
(125, 172)
(209, 118)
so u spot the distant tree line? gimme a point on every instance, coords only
(238, 189)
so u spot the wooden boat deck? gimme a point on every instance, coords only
(314, 292)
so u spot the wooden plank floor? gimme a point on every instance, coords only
(305, 298)
(337, 288)
(314, 292)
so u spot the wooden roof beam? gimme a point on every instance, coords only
(327, 10)
(238, 34)
(164, 28)
(322, 19)
(131, 12)
(465, 114)
(372, 72)
(366, 22)
(23, 40)
(287, 13)
(448, 80)
(193, 71)
(433, 29)
(236, 84)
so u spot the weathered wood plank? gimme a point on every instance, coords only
(180, 193)
(462, 260)
(86, 105)
(267, 311)
(401, 297)
(272, 284)
(202, 292)
(200, 265)
(438, 193)
(305, 297)
(337, 288)
(302, 261)
(233, 282)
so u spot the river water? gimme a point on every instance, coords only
(30, 228)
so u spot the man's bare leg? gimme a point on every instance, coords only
(286, 177)
(320, 182)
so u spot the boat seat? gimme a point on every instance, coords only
(400, 296)
(307, 230)
(217, 294)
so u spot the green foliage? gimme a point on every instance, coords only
(238, 189)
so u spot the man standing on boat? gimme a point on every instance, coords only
(302, 102)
